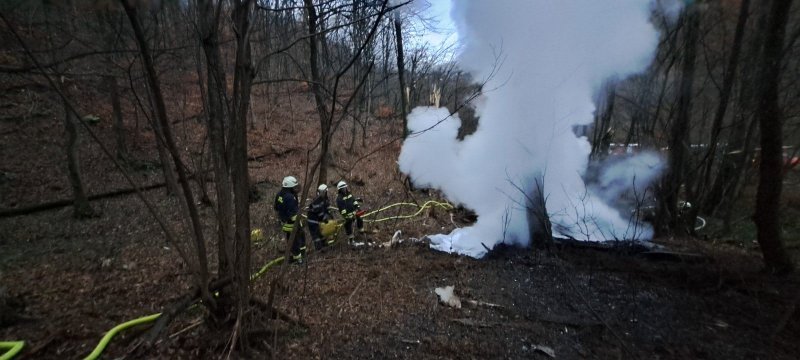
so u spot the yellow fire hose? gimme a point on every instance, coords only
(146, 319)
(331, 228)
(14, 347)
(266, 267)
(113, 332)
(427, 204)
(328, 229)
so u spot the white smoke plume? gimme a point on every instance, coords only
(627, 179)
(553, 56)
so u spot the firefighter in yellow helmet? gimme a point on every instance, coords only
(288, 209)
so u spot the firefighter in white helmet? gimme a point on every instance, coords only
(288, 209)
(318, 214)
(349, 206)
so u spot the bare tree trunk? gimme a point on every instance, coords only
(229, 151)
(202, 180)
(401, 69)
(413, 94)
(217, 89)
(163, 157)
(316, 88)
(242, 85)
(603, 133)
(735, 169)
(82, 209)
(161, 118)
(728, 183)
(769, 114)
(725, 93)
(353, 133)
(539, 225)
(671, 183)
(119, 128)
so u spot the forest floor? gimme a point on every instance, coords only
(73, 280)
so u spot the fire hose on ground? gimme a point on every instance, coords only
(14, 347)
(331, 228)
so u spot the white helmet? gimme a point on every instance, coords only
(341, 185)
(322, 188)
(289, 182)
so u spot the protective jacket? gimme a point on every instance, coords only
(287, 207)
(318, 210)
(348, 205)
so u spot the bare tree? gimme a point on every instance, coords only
(242, 85)
(769, 114)
(714, 193)
(678, 144)
(209, 26)
(401, 69)
(724, 98)
(603, 132)
(163, 123)
(82, 209)
(316, 88)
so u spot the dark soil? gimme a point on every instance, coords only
(380, 302)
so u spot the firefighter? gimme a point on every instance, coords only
(287, 206)
(317, 215)
(349, 207)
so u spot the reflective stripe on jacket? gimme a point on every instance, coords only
(347, 205)
(286, 206)
(318, 210)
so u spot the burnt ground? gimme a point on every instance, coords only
(76, 284)
(69, 281)
(582, 304)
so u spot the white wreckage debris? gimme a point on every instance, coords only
(447, 297)
(396, 240)
(455, 242)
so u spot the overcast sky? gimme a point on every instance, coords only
(439, 10)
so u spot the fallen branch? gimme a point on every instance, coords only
(67, 202)
(626, 246)
(256, 157)
(106, 195)
(341, 308)
(483, 303)
(183, 302)
(43, 344)
(275, 313)
(193, 325)
(664, 255)
(471, 322)
(561, 320)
